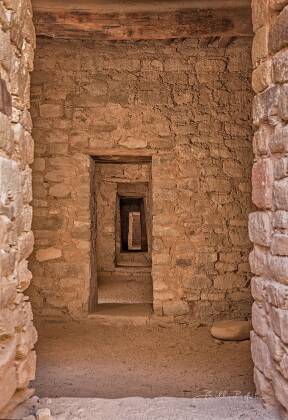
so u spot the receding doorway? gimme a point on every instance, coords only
(121, 232)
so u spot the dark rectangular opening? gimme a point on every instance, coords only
(133, 225)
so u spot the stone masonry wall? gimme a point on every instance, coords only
(186, 104)
(17, 334)
(269, 225)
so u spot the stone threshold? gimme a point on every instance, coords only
(131, 314)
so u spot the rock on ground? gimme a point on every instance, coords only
(231, 330)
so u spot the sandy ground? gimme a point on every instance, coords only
(88, 359)
(232, 408)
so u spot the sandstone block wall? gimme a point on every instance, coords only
(188, 106)
(17, 334)
(268, 227)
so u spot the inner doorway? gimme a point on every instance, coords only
(123, 232)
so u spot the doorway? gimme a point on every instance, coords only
(122, 232)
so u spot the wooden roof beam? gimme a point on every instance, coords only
(143, 24)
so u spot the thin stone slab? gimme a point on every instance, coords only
(231, 330)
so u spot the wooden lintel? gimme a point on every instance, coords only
(141, 25)
(122, 159)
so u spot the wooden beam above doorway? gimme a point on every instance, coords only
(134, 20)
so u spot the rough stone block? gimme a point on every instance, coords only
(25, 221)
(26, 339)
(281, 194)
(261, 140)
(275, 345)
(5, 99)
(265, 105)
(5, 49)
(283, 102)
(25, 245)
(7, 233)
(260, 45)
(278, 142)
(280, 67)
(262, 76)
(281, 168)
(26, 181)
(8, 290)
(261, 355)
(277, 294)
(25, 370)
(24, 275)
(279, 268)
(258, 289)
(4, 17)
(278, 35)
(7, 260)
(6, 140)
(262, 183)
(28, 148)
(284, 366)
(260, 13)
(280, 219)
(260, 228)
(279, 319)
(7, 324)
(8, 352)
(258, 260)
(259, 320)
(279, 245)
(8, 381)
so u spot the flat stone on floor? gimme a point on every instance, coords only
(231, 330)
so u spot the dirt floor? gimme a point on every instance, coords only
(228, 408)
(89, 359)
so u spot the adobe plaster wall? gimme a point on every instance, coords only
(268, 226)
(186, 104)
(17, 334)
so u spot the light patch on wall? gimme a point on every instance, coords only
(134, 231)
